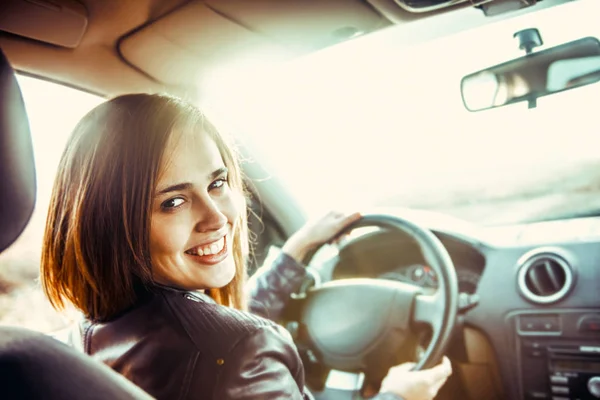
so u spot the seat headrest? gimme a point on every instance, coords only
(17, 168)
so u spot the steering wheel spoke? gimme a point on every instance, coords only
(428, 309)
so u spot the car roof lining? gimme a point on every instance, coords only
(106, 59)
(119, 52)
(95, 64)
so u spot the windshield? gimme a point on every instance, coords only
(377, 123)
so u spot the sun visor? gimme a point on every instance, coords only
(184, 45)
(200, 38)
(59, 24)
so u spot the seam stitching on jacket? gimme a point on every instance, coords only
(189, 373)
(220, 371)
(87, 339)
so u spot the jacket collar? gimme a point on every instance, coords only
(195, 295)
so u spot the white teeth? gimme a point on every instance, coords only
(212, 248)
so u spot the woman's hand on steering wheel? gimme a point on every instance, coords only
(416, 385)
(317, 232)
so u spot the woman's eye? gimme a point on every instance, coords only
(218, 184)
(172, 203)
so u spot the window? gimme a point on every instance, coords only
(53, 111)
(379, 123)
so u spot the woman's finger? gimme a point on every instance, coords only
(441, 371)
(347, 219)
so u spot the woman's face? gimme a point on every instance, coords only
(193, 217)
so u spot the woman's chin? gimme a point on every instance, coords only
(222, 274)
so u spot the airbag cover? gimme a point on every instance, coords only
(347, 319)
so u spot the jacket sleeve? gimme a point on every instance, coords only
(266, 366)
(270, 287)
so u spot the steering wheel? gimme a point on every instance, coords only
(361, 325)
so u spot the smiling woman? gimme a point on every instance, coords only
(100, 257)
(145, 236)
(144, 186)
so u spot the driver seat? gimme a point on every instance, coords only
(33, 365)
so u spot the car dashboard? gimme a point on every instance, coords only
(395, 256)
(535, 332)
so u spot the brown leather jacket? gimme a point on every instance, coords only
(181, 345)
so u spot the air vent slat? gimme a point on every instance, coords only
(545, 276)
(535, 282)
(557, 282)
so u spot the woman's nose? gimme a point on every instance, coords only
(210, 217)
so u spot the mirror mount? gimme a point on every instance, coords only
(529, 39)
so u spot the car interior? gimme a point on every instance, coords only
(464, 131)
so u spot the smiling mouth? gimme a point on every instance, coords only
(211, 253)
(208, 249)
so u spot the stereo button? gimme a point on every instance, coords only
(533, 349)
(529, 325)
(537, 396)
(549, 324)
(559, 380)
(590, 324)
(535, 353)
(560, 390)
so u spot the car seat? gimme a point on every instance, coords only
(33, 365)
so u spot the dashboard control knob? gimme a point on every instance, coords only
(418, 274)
(467, 301)
(594, 386)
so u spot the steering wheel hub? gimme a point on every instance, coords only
(373, 311)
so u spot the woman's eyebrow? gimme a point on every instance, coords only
(175, 188)
(187, 185)
(218, 172)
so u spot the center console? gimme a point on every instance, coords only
(559, 354)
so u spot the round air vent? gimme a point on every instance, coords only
(545, 275)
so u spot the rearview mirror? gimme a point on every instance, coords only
(536, 75)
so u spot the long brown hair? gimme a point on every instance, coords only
(96, 250)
